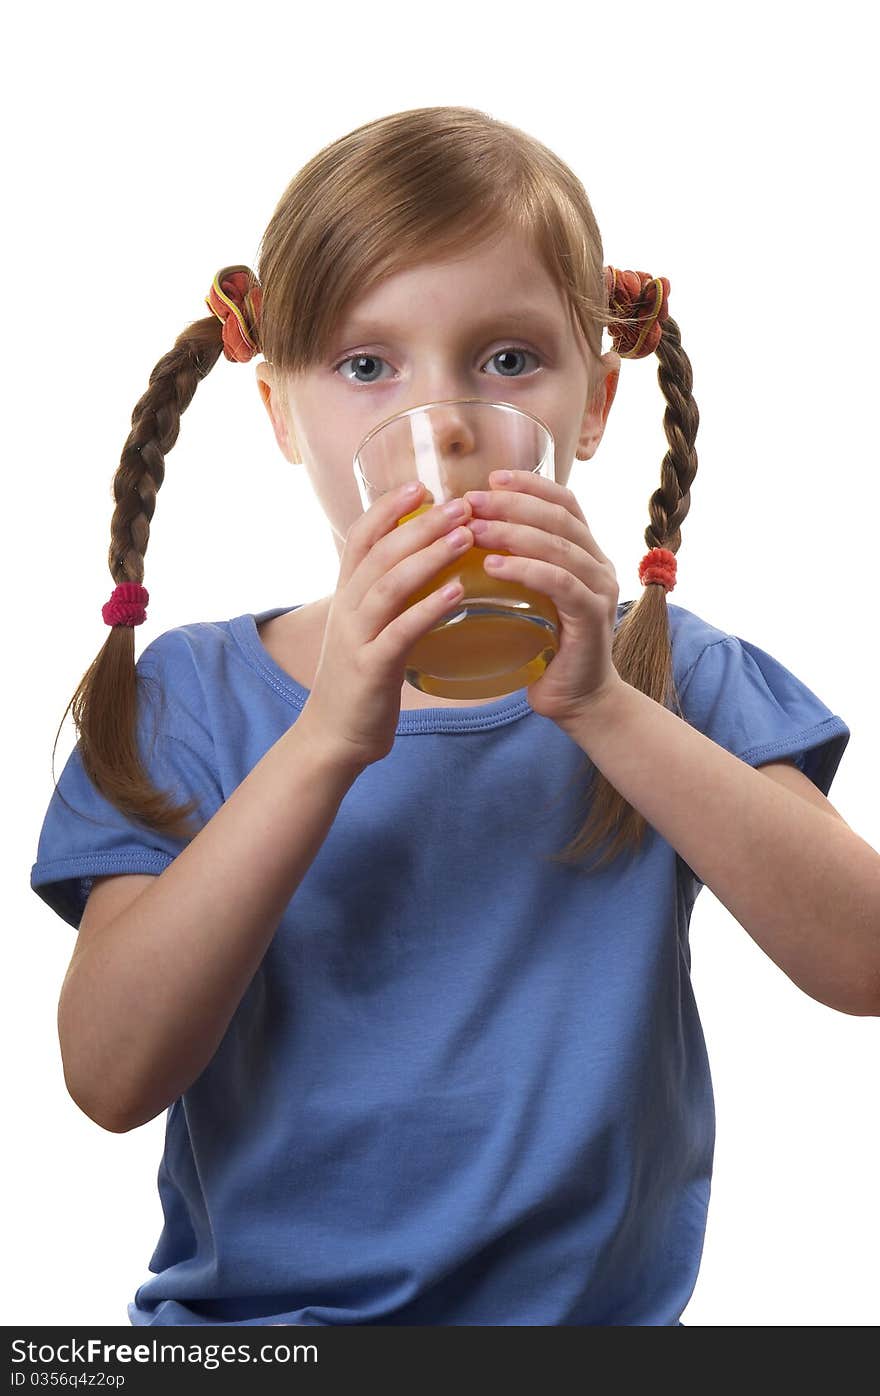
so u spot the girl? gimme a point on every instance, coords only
(423, 1064)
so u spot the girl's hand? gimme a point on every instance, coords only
(354, 704)
(553, 551)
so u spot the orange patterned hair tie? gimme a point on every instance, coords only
(637, 293)
(236, 298)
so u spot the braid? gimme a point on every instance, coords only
(668, 506)
(155, 428)
(641, 650)
(105, 704)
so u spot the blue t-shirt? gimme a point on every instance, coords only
(466, 1085)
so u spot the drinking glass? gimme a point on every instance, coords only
(500, 635)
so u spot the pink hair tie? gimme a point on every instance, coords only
(127, 605)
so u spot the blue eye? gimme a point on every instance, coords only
(512, 349)
(360, 359)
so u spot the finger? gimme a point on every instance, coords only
(545, 511)
(523, 541)
(528, 483)
(566, 591)
(395, 564)
(375, 522)
(397, 636)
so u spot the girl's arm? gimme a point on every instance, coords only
(149, 995)
(802, 883)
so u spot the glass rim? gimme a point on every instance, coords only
(451, 402)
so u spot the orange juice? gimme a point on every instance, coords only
(499, 636)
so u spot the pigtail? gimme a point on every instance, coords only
(641, 647)
(105, 703)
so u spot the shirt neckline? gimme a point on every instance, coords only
(496, 713)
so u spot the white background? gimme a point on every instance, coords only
(729, 149)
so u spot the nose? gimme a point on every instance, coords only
(453, 432)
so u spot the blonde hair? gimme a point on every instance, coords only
(431, 182)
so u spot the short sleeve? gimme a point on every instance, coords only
(750, 704)
(87, 837)
(754, 707)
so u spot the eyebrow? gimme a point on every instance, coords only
(524, 315)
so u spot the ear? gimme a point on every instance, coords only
(267, 384)
(596, 414)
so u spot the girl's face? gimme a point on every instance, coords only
(491, 325)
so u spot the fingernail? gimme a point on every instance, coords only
(501, 477)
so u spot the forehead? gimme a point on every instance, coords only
(502, 277)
